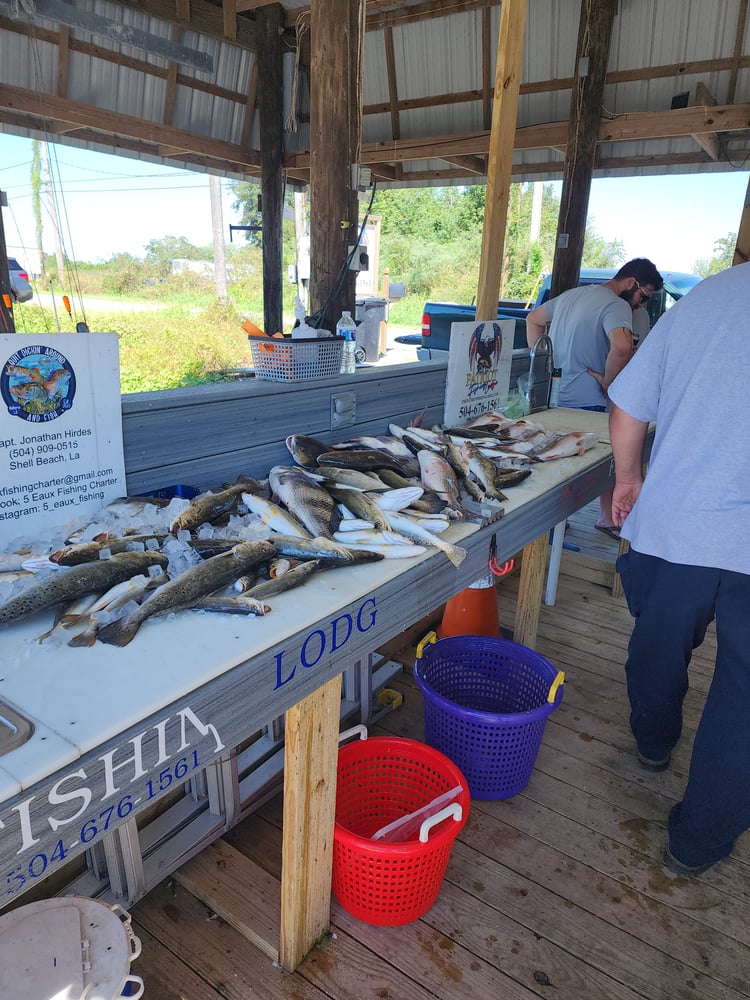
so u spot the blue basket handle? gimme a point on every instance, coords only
(454, 809)
(426, 641)
(556, 683)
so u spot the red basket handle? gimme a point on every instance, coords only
(454, 810)
(360, 730)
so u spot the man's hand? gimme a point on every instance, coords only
(627, 435)
(599, 376)
(624, 497)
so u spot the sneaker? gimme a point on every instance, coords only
(649, 764)
(678, 868)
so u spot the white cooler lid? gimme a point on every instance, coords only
(69, 948)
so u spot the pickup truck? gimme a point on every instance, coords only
(438, 316)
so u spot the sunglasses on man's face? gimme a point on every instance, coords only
(645, 296)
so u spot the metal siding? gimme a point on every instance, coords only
(436, 56)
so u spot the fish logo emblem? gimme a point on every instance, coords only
(37, 384)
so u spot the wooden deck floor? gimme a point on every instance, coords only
(556, 893)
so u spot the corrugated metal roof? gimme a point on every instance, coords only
(200, 119)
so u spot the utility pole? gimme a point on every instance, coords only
(55, 218)
(217, 223)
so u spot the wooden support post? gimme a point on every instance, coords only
(270, 23)
(385, 293)
(742, 246)
(592, 55)
(500, 161)
(336, 38)
(617, 590)
(530, 588)
(310, 761)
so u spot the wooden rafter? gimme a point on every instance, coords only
(167, 141)
(487, 88)
(708, 141)
(739, 34)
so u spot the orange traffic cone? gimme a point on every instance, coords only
(472, 611)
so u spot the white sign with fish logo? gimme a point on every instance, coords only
(478, 369)
(61, 455)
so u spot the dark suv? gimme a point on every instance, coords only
(19, 281)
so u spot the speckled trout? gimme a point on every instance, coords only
(187, 589)
(68, 584)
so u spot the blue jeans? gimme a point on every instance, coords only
(673, 605)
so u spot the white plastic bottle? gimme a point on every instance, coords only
(554, 388)
(347, 328)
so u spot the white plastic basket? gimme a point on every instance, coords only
(290, 360)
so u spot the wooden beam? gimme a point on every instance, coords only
(250, 103)
(335, 128)
(530, 589)
(117, 32)
(708, 141)
(205, 18)
(424, 11)
(119, 59)
(623, 128)
(229, 11)
(487, 89)
(474, 164)
(499, 165)
(269, 21)
(742, 246)
(63, 61)
(390, 65)
(592, 54)
(310, 761)
(47, 107)
(739, 36)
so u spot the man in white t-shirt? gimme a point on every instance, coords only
(591, 329)
(688, 524)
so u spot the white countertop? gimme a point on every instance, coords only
(78, 699)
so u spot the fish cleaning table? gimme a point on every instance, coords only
(116, 729)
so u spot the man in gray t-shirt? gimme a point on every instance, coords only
(688, 523)
(591, 329)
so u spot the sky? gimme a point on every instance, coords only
(112, 204)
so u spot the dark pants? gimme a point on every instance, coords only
(673, 605)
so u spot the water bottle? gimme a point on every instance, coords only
(347, 328)
(554, 388)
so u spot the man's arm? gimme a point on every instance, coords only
(536, 323)
(620, 352)
(627, 436)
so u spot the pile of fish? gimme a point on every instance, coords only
(231, 551)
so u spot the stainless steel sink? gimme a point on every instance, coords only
(14, 729)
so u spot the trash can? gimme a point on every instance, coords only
(399, 807)
(369, 314)
(486, 703)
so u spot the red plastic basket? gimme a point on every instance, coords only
(379, 780)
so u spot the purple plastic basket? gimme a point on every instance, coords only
(485, 707)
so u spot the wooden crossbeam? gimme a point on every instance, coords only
(708, 141)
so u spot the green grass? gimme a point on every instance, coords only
(191, 339)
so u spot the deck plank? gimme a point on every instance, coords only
(559, 891)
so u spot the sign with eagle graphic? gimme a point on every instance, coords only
(478, 368)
